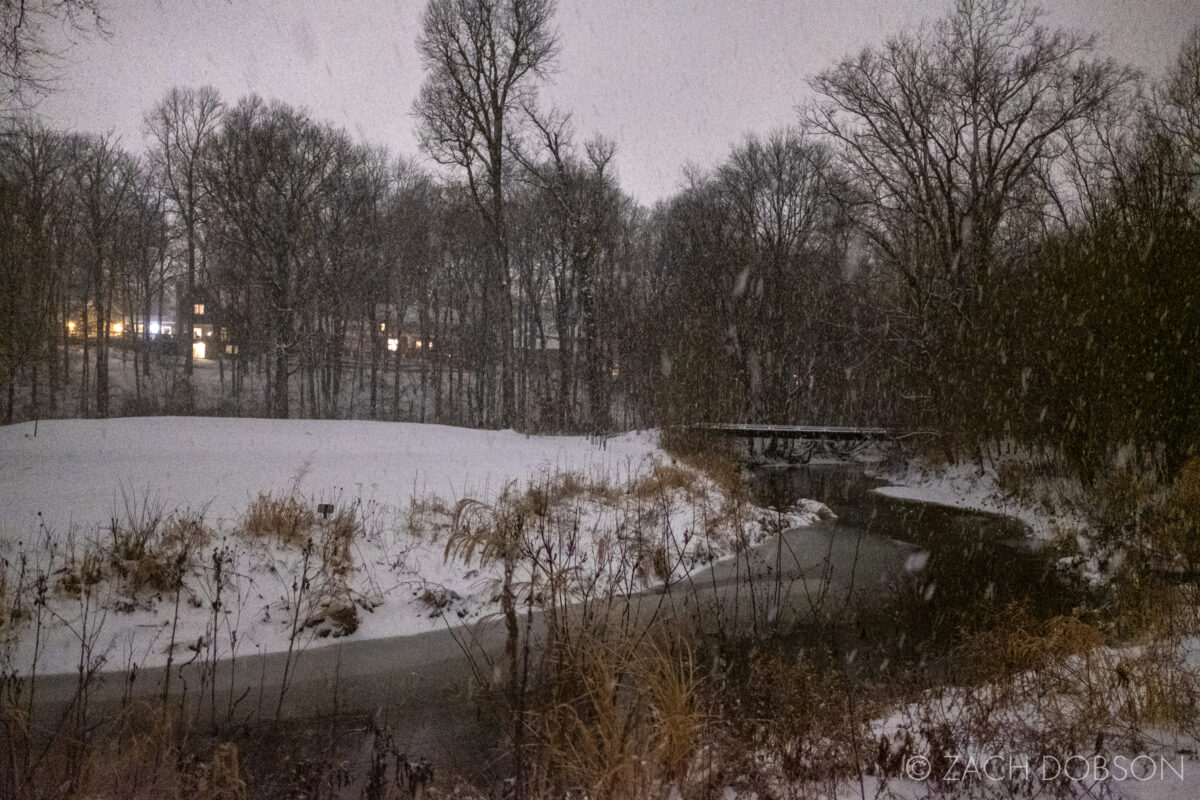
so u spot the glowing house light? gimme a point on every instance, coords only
(393, 345)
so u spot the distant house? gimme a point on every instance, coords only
(402, 337)
(210, 335)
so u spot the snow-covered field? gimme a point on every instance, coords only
(75, 473)
(66, 490)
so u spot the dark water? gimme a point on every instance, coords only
(964, 569)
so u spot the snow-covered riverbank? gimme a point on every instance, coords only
(73, 496)
(968, 486)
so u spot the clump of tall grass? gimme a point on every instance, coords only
(618, 716)
(286, 518)
(1177, 521)
(427, 517)
(144, 550)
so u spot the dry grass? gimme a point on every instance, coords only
(1021, 643)
(1049, 688)
(137, 754)
(714, 458)
(80, 573)
(154, 559)
(664, 479)
(787, 721)
(622, 718)
(146, 551)
(428, 517)
(288, 519)
(568, 487)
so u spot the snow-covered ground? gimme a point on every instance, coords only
(1086, 725)
(65, 492)
(76, 473)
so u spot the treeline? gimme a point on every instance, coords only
(308, 252)
(982, 227)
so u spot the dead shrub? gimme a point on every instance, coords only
(10, 609)
(151, 558)
(652, 561)
(80, 574)
(1125, 497)
(1143, 602)
(334, 614)
(713, 457)
(217, 778)
(782, 711)
(1018, 643)
(1178, 521)
(337, 536)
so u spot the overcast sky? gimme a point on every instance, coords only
(671, 81)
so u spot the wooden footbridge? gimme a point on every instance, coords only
(799, 442)
(825, 433)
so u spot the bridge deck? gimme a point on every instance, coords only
(815, 432)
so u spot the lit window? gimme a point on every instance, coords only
(117, 328)
(198, 309)
(383, 326)
(418, 344)
(71, 327)
(154, 329)
(198, 350)
(197, 333)
(393, 345)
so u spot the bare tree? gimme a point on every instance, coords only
(773, 190)
(31, 52)
(33, 170)
(585, 208)
(943, 129)
(1178, 107)
(270, 172)
(105, 182)
(948, 136)
(482, 58)
(181, 126)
